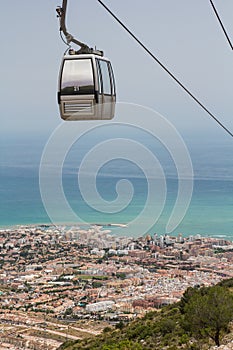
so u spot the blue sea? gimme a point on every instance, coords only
(210, 212)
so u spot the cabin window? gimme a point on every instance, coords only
(77, 77)
(99, 77)
(106, 83)
(112, 79)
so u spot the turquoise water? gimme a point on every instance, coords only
(210, 211)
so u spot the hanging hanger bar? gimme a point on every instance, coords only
(61, 11)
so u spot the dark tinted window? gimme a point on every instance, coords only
(77, 77)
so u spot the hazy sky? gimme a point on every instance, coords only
(183, 34)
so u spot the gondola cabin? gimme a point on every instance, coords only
(86, 88)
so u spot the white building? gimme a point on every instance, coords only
(100, 306)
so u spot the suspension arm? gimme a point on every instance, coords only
(62, 15)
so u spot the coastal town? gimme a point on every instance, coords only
(70, 282)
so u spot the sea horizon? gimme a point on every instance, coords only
(209, 214)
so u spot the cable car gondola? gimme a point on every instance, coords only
(86, 85)
(86, 88)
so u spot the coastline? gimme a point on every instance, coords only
(43, 224)
(67, 226)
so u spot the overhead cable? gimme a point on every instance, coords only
(221, 24)
(166, 69)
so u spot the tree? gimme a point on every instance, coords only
(208, 311)
(188, 294)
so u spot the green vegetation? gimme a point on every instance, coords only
(121, 275)
(201, 317)
(208, 312)
(227, 283)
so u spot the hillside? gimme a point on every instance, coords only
(172, 327)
